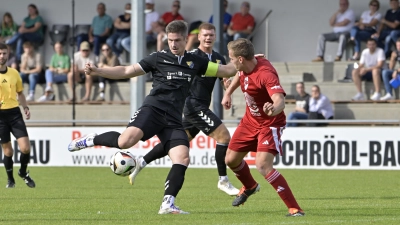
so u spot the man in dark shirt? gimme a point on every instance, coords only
(302, 103)
(197, 115)
(161, 113)
(389, 30)
(122, 26)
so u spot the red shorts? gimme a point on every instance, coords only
(250, 139)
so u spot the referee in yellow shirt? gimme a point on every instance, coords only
(11, 120)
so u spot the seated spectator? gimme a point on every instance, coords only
(241, 25)
(166, 18)
(83, 56)
(227, 21)
(56, 73)
(389, 29)
(30, 30)
(371, 63)
(151, 17)
(342, 21)
(31, 67)
(391, 73)
(122, 26)
(320, 107)
(8, 27)
(302, 101)
(12, 60)
(107, 59)
(99, 31)
(365, 27)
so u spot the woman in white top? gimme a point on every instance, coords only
(365, 27)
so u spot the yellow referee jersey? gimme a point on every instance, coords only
(10, 84)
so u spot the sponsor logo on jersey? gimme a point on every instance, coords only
(276, 87)
(4, 81)
(190, 64)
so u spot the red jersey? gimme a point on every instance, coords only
(258, 87)
(168, 17)
(240, 22)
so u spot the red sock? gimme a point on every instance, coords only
(242, 172)
(282, 188)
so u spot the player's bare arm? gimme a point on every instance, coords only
(116, 73)
(277, 105)
(227, 99)
(22, 102)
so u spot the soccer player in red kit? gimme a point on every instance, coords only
(262, 125)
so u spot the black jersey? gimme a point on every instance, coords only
(202, 88)
(172, 78)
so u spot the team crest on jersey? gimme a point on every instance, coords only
(190, 64)
(219, 61)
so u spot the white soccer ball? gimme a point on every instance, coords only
(122, 163)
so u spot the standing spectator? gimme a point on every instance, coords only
(107, 59)
(99, 31)
(241, 25)
(57, 72)
(365, 27)
(342, 21)
(166, 18)
(389, 29)
(371, 62)
(388, 74)
(320, 106)
(151, 17)
(30, 30)
(8, 27)
(31, 66)
(302, 103)
(81, 58)
(122, 26)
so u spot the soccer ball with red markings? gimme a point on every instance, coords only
(122, 163)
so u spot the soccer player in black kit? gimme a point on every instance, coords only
(197, 115)
(161, 112)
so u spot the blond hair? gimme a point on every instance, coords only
(242, 47)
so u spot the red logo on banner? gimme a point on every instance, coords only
(251, 158)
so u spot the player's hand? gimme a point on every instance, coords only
(90, 69)
(227, 102)
(27, 113)
(268, 108)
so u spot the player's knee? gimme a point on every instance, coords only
(231, 161)
(264, 168)
(7, 149)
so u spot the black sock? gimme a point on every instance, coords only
(109, 139)
(24, 159)
(156, 153)
(220, 153)
(8, 164)
(175, 179)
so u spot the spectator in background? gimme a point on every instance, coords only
(30, 30)
(12, 60)
(227, 17)
(151, 17)
(31, 66)
(241, 25)
(320, 106)
(391, 73)
(365, 27)
(8, 27)
(389, 29)
(371, 62)
(56, 73)
(83, 56)
(99, 31)
(122, 26)
(166, 18)
(107, 59)
(302, 104)
(342, 21)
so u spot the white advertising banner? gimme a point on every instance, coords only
(304, 148)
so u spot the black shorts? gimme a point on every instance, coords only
(203, 120)
(153, 121)
(11, 121)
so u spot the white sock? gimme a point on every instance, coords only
(223, 178)
(142, 162)
(101, 94)
(89, 142)
(101, 85)
(168, 201)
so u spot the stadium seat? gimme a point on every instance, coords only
(79, 29)
(59, 33)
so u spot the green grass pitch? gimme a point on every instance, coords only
(77, 195)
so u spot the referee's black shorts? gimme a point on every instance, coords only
(11, 121)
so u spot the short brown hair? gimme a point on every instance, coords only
(3, 46)
(177, 26)
(27, 44)
(377, 3)
(242, 47)
(206, 26)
